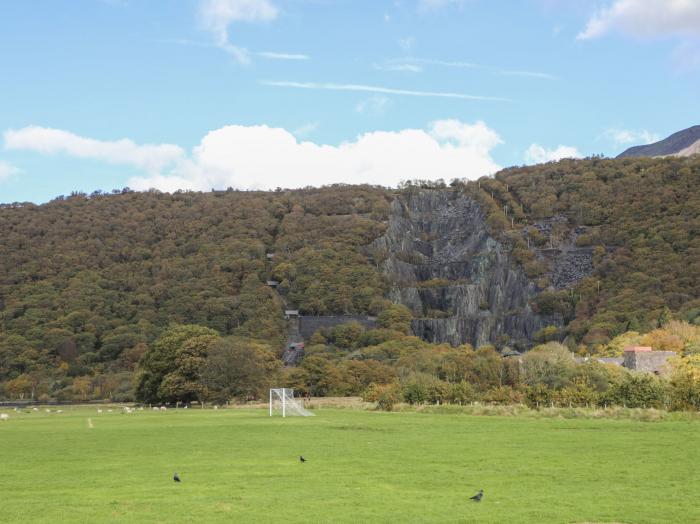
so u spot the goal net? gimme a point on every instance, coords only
(282, 402)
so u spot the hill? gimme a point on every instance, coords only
(682, 143)
(578, 251)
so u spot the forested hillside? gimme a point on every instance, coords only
(88, 284)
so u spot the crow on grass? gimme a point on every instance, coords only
(176, 478)
(301, 459)
(478, 496)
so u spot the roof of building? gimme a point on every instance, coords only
(638, 349)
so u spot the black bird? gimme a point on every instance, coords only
(478, 496)
(176, 478)
(301, 459)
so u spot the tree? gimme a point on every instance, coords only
(160, 360)
(184, 384)
(239, 368)
(396, 317)
(550, 364)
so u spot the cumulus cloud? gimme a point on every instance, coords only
(645, 18)
(7, 170)
(537, 154)
(621, 137)
(217, 15)
(152, 158)
(262, 157)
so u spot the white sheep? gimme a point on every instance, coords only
(163, 408)
(216, 407)
(59, 411)
(4, 416)
(36, 409)
(155, 408)
(99, 410)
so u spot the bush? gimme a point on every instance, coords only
(385, 395)
(636, 390)
(503, 395)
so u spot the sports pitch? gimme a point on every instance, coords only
(240, 465)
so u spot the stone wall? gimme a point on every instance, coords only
(649, 361)
(308, 325)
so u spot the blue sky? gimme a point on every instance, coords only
(195, 94)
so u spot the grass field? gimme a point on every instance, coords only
(242, 466)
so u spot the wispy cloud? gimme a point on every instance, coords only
(407, 43)
(458, 64)
(531, 74)
(443, 63)
(216, 16)
(49, 141)
(374, 105)
(282, 56)
(381, 90)
(305, 130)
(622, 137)
(537, 154)
(435, 5)
(272, 55)
(645, 18)
(7, 170)
(398, 67)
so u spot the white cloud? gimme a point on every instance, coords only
(621, 137)
(537, 154)
(443, 63)
(399, 67)
(374, 105)
(7, 170)
(216, 16)
(456, 64)
(306, 129)
(382, 90)
(283, 56)
(433, 5)
(262, 157)
(407, 43)
(149, 157)
(645, 18)
(531, 74)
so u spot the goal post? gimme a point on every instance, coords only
(282, 401)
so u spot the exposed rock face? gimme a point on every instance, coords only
(459, 282)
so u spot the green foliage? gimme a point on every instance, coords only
(396, 317)
(171, 357)
(637, 390)
(86, 280)
(238, 368)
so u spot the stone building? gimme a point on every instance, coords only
(644, 358)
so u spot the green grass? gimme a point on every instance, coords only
(242, 466)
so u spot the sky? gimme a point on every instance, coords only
(259, 94)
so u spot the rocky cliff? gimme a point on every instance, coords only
(460, 282)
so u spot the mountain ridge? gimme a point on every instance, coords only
(682, 143)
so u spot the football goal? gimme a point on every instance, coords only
(282, 401)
